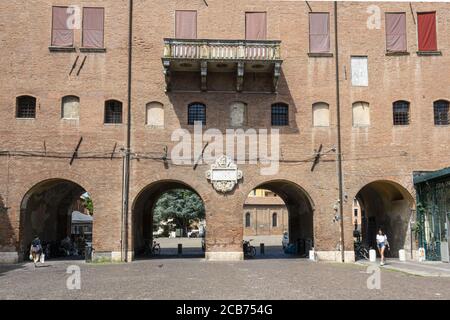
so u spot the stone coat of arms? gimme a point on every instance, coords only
(224, 174)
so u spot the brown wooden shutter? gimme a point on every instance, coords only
(319, 32)
(185, 24)
(62, 36)
(255, 26)
(396, 32)
(93, 27)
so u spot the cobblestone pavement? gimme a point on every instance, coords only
(193, 278)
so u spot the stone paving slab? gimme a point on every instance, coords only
(425, 269)
(196, 279)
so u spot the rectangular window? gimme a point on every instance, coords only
(360, 73)
(426, 29)
(280, 114)
(319, 32)
(62, 35)
(255, 26)
(396, 32)
(93, 27)
(185, 24)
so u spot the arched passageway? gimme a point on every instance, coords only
(280, 215)
(170, 213)
(60, 213)
(389, 206)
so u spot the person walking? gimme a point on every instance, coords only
(36, 250)
(382, 243)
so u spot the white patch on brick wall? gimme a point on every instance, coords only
(237, 114)
(361, 114)
(155, 114)
(360, 73)
(321, 114)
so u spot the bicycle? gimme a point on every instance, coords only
(156, 249)
(361, 251)
(249, 250)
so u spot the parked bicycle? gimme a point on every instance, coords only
(156, 248)
(361, 251)
(249, 250)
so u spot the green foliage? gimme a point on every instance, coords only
(419, 227)
(89, 205)
(183, 206)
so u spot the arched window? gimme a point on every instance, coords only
(196, 113)
(70, 107)
(400, 111)
(321, 114)
(248, 221)
(361, 114)
(238, 114)
(26, 107)
(274, 220)
(441, 109)
(280, 114)
(155, 114)
(113, 111)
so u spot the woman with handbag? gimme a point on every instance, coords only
(382, 243)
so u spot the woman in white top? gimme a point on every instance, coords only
(381, 244)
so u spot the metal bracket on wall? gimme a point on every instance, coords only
(75, 153)
(74, 65)
(317, 158)
(82, 65)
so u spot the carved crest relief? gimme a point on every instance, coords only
(224, 174)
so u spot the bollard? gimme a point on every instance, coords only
(312, 255)
(261, 248)
(372, 255)
(402, 255)
(180, 249)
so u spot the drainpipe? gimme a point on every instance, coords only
(339, 146)
(127, 160)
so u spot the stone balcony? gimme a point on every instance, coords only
(206, 57)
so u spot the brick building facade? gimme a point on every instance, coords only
(58, 86)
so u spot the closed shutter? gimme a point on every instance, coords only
(396, 32)
(427, 31)
(186, 24)
(255, 26)
(93, 27)
(62, 35)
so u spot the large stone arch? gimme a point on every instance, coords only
(142, 209)
(388, 205)
(45, 210)
(300, 206)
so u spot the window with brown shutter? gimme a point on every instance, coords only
(426, 29)
(255, 26)
(185, 24)
(62, 35)
(396, 32)
(319, 33)
(93, 27)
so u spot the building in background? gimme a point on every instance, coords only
(265, 214)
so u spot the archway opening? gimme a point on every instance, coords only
(167, 214)
(59, 212)
(278, 214)
(388, 206)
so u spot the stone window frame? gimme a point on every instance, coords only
(278, 122)
(274, 220)
(146, 115)
(248, 219)
(109, 119)
(313, 116)
(441, 117)
(353, 117)
(191, 113)
(245, 123)
(62, 107)
(401, 117)
(31, 110)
